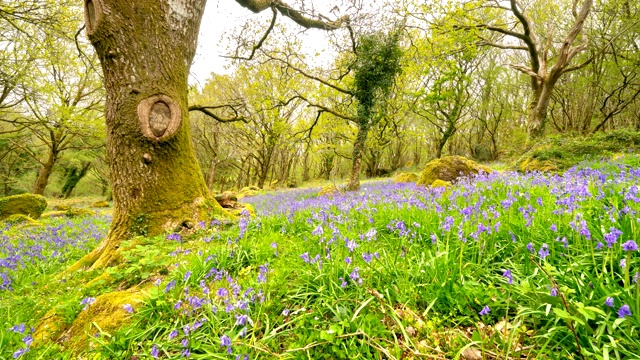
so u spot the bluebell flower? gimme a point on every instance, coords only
(367, 257)
(184, 342)
(530, 247)
(507, 274)
(485, 311)
(544, 251)
(154, 351)
(173, 334)
(554, 291)
(305, 257)
(170, 286)
(20, 352)
(609, 302)
(128, 308)
(624, 311)
(27, 340)
(630, 246)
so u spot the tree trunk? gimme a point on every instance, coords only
(305, 164)
(212, 173)
(356, 165)
(145, 49)
(73, 177)
(538, 115)
(45, 171)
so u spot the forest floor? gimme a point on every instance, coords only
(506, 265)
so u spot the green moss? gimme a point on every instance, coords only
(27, 204)
(449, 168)
(560, 152)
(100, 204)
(21, 219)
(405, 178)
(329, 190)
(441, 183)
(105, 315)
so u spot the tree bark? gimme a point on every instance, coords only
(45, 171)
(356, 165)
(73, 178)
(145, 50)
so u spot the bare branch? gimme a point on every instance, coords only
(207, 111)
(298, 17)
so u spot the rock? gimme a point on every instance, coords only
(405, 178)
(227, 199)
(449, 168)
(471, 354)
(329, 190)
(440, 183)
(248, 191)
(61, 207)
(31, 205)
(100, 204)
(73, 212)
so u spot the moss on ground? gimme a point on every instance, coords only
(560, 152)
(405, 178)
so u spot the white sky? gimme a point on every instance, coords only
(222, 16)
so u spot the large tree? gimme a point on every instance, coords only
(146, 49)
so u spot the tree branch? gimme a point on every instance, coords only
(298, 17)
(207, 111)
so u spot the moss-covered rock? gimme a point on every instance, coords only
(405, 178)
(227, 199)
(100, 204)
(329, 190)
(61, 207)
(26, 204)
(450, 168)
(441, 183)
(79, 212)
(248, 191)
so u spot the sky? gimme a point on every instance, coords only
(222, 16)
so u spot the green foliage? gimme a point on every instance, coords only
(564, 151)
(377, 64)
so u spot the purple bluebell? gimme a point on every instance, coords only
(624, 311)
(485, 311)
(630, 246)
(128, 308)
(507, 274)
(544, 251)
(609, 302)
(154, 351)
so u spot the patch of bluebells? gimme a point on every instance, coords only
(54, 243)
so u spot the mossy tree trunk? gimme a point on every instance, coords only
(45, 171)
(356, 157)
(146, 49)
